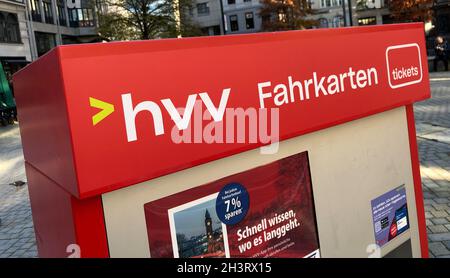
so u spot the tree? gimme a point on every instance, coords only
(145, 19)
(411, 10)
(184, 26)
(279, 15)
(114, 27)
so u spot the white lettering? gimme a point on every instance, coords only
(130, 114)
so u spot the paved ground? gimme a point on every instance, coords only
(16, 227)
(433, 135)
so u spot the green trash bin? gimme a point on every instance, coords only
(7, 103)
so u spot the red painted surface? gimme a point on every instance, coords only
(415, 163)
(44, 128)
(404, 65)
(51, 209)
(90, 227)
(60, 219)
(153, 70)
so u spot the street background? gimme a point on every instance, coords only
(17, 238)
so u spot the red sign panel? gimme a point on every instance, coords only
(109, 117)
(404, 65)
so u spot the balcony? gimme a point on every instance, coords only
(81, 18)
(442, 3)
(362, 5)
(17, 1)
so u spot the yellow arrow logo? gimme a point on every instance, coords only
(107, 109)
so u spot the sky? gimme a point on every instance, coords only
(191, 221)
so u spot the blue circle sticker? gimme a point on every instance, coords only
(232, 203)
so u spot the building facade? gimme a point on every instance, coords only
(218, 17)
(14, 36)
(442, 18)
(207, 14)
(328, 13)
(371, 12)
(56, 22)
(336, 13)
(242, 16)
(30, 28)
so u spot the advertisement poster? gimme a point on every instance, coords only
(390, 215)
(264, 212)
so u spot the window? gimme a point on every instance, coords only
(211, 30)
(323, 23)
(12, 29)
(216, 30)
(205, 31)
(231, 2)
(61, 12)
(73, 17)
(44, 42)
(234, 23)
(48, 13)
(2, 28)
(338, 21)
(247, 0)
(102, 6)
(330, 3)
(282, 16)
(81, 18)
(249, 22)
(367, 21)
(323, 3)
(35, 10)
(202, 9)
(443, 23)
(87, 19)
(368, 4)
(265, 19)
(9, 28)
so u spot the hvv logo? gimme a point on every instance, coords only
(73, 4)
(404, 65)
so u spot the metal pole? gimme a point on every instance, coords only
(344, 12)
(350, 15)
(56, 20)
(223, 18)
(31, 36)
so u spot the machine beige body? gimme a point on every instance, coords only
(351, 164)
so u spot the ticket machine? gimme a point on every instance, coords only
(288, 144)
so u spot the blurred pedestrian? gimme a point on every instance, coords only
(441, 48)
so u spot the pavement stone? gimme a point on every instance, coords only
(446, 244)
(438, 229)
(439, 213)
(16, 229)
(440, 221)
(441, 206)
(438, 237)
(438, 249)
